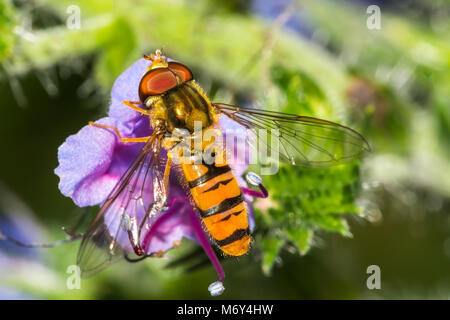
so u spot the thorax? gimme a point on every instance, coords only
(184, 107)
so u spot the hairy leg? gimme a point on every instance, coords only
(116, 131)
(134, 105)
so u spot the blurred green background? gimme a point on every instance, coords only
(321, 228)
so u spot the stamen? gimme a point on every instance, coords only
(254, 180)
(216, 288)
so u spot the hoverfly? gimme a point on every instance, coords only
(172, 100)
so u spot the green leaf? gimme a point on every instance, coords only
(332, 223)
(271, 245)
(7, 22)
(302, 238)
(119, 50)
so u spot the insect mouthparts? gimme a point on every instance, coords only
(155, 57)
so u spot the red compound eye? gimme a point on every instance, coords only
(156, 81)
(181, 70)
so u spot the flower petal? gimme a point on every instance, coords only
(84, 158)
(92, 161)
(126, 88)
(170, 227)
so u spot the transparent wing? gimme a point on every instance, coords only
(128, 209)
(298, 140)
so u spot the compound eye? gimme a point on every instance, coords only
(156, 81)
(181, 70)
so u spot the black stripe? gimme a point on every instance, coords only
(237, 235)
(181, 93)
(213, 171)
(229, 216)
(193, 94)
(187, 97)
(225, 205)
(186, 102)
(216, 186)
(169, 102)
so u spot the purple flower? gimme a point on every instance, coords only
(92, 161)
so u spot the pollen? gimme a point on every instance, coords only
(159, 254)
(176, 243)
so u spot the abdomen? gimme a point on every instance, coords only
(221, 205)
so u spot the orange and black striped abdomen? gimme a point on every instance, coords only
(221, 204)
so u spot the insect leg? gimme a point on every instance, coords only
(137, 259)
(167, 174)
(158, 205)
(116, 131)
(132, 105)
(167, 214)
(256, 181)
(134, 242)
